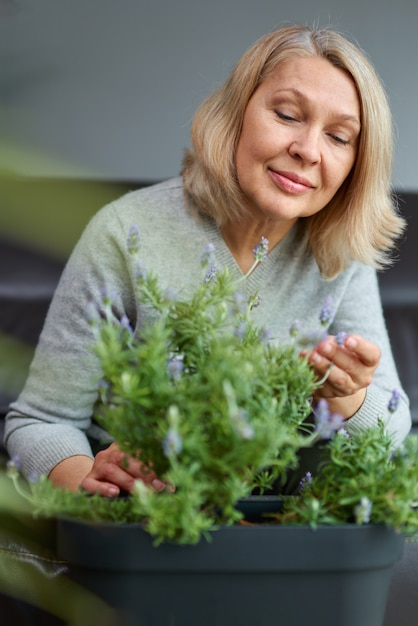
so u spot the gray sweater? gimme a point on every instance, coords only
(52, 418)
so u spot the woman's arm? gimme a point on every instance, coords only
(363, 373)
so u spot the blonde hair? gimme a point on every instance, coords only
(361, 222)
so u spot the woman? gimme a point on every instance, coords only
(296, 147)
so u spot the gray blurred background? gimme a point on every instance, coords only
(106, 89)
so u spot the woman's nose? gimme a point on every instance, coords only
(306, 145)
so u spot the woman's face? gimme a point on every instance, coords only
(299, 139)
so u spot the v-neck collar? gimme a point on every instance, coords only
(263, 271)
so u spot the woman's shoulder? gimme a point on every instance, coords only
(144, 205)
(162, 193)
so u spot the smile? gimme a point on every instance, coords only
(290, 182)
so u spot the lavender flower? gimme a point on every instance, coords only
(261, 250)
(175, 368)
(295, 327)
(107, 298)
(172, 443)
(327, 312)
(125, 324)
(254, 301)
(327, 423)
(92, 314)
(394, 401)
(363, 511)
(340, 337)
(343, 433)
(305, 482)
(133, 239)
(208, 255)
(13, 466)
(140, 273)
(211, 273)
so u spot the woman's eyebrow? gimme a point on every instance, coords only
(300, 95)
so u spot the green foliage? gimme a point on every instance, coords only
(203, 400)
(200, 397)
(363, 480)
(216, 410)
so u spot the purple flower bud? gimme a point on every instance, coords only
(254, 301)
(125, 324)
(327, 312)
(107, 297)
(92, 314)
(305, 482)
(340, 337)
(295, 327)
(261, 250)
(343, 433)
(394, 401)
(172, 443)
(363, 511)
(13, 466)
(327, 423)
(133, 239)
(140, 273)
(15, 462)
(210, 274)
(175, 368)
(208, 255)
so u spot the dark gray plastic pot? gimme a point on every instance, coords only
(260, 575)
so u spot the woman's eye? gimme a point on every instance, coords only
(340, 140)
(285, 117)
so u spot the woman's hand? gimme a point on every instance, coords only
(350, 367)
(114, 471)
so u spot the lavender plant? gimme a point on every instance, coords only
(363, 480)
(203, 398)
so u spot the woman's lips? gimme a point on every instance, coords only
(290, 182)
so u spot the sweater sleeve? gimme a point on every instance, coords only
(51, 418)
(360, 311)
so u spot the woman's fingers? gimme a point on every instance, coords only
(347, 368)
(114, 471)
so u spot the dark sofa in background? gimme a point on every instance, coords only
(41, 220)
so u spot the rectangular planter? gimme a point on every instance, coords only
(260, 575)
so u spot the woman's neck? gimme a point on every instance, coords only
(241, 239)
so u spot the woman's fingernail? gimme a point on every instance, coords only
(112, 492)
(158, 485)
(326, 348)
(351, 342)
